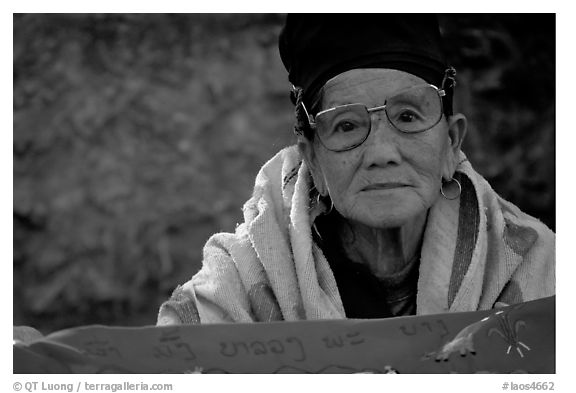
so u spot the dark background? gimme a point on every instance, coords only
(138, 136)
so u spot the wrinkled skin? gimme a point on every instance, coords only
(384, 187)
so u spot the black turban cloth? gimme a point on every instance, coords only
(316, 47)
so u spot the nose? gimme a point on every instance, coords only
(382, 145)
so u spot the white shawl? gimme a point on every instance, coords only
(477, 250)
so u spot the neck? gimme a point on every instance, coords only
(386, 251)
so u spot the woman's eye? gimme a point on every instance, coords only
(345, 126)
(407, 117)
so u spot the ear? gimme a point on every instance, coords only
(457, 127)
(308, 153)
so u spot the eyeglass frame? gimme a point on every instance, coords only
(311, 119)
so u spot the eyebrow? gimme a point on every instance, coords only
(335, 104)
(338, 102)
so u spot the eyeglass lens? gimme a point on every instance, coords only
(412, 110)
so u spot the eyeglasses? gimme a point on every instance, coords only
(410, 111)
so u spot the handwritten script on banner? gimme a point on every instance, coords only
(518, 338)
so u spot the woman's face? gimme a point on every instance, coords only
(392, 177)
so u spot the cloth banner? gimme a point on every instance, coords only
(514, 339)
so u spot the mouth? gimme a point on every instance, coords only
(385, 186)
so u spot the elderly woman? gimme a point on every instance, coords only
(376, 212)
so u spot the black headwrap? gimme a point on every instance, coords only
(316, 47)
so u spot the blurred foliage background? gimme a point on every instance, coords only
(138, 136)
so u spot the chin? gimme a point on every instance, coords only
(384, 218)
(393, 221)
(386, 215)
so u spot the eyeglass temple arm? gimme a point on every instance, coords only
(308, 116)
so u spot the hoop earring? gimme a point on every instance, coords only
(448, 182)
(331, 204)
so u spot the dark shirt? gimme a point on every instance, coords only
(363, 294)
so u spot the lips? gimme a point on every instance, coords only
(385, 186)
